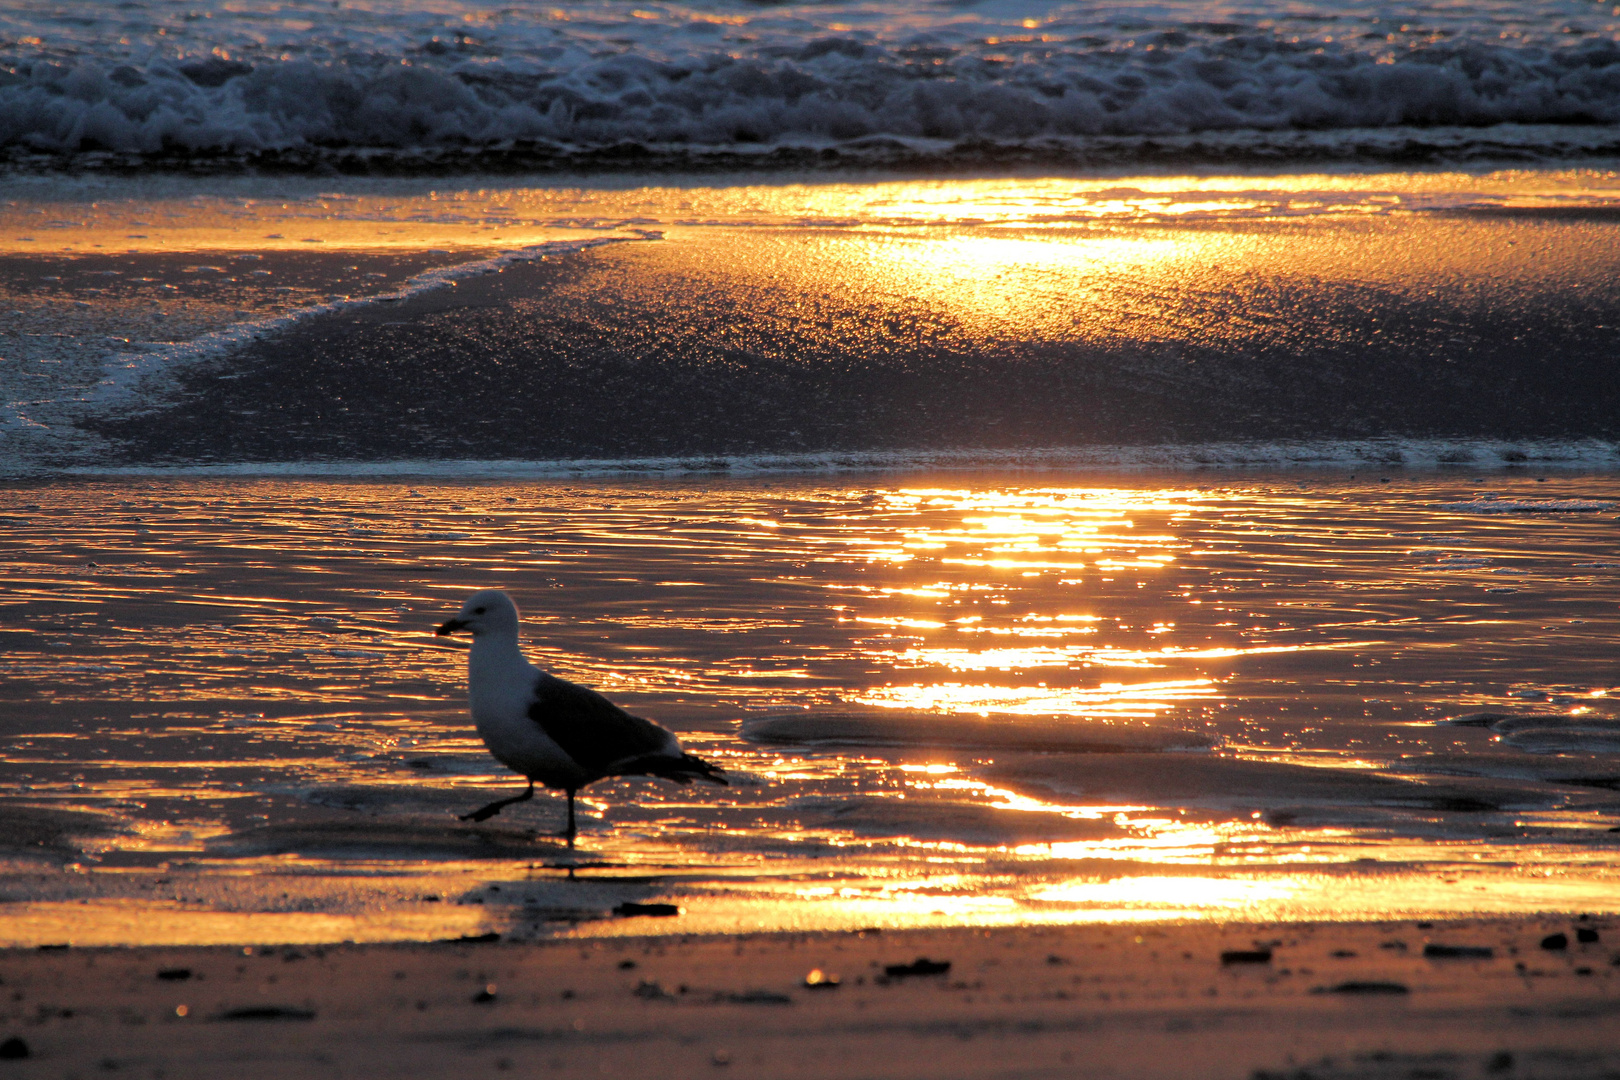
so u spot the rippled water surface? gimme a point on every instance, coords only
(942, 699)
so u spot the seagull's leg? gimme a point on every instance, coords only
(571, 830)
(487, 812)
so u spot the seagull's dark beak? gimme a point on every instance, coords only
(449, 626)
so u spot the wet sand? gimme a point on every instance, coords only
(750, 341)
(68, 321)
(791, 318)
(1185, 1000)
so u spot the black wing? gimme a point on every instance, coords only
(592, 730)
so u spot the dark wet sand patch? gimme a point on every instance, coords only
(386, 840)
(962, 823)
(1204, 781)
(1062, 734)
(36, 832)
(753, 342)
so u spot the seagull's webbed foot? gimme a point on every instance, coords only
(486, 812)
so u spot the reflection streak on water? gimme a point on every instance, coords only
(224, 213)
(220, 671)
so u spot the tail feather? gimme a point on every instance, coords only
(682, 770)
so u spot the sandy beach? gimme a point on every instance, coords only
(1464, 998)
(1125, 494)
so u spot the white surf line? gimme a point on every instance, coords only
(129, 374)
(1428, 455)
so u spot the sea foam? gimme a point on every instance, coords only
(633, 83)
(1339, 455)
(138, 379)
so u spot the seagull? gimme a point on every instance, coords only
(552, 731)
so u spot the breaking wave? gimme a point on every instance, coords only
(610, 81)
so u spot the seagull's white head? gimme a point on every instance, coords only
(487, 612)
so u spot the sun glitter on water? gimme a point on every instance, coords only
(1240, 679)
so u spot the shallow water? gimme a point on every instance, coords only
(1166, 694)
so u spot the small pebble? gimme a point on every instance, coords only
(657, 911)
(1458, 952)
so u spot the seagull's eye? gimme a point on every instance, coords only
(478, 611)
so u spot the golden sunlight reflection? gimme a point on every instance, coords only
(1052, 287)
(287, 736)
(1173, 892)
(254, 214)
(1004, 799)
(978, 535)
(1075, 655)
(1139, 700)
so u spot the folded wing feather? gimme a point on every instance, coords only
(602, 738)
